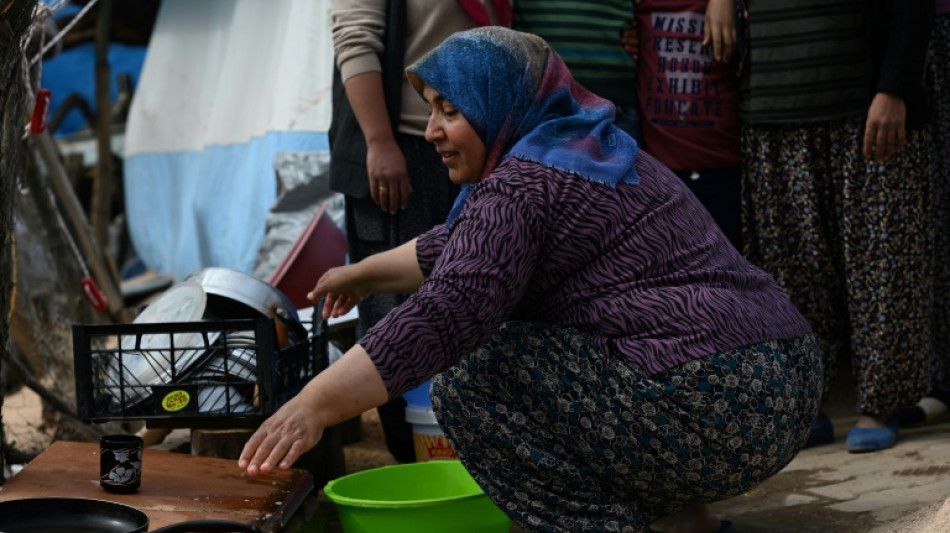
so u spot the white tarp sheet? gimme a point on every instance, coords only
(225, 86)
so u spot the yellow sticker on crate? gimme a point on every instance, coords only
(176, 400)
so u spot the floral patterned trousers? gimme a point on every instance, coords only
(852, 243)
(564, 438)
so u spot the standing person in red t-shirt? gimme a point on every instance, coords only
(689, 99)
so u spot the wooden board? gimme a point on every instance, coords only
(175, 487)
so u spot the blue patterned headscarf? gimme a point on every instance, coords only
(520, 98)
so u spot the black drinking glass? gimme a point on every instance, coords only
(120, 463)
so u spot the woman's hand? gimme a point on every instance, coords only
(720, 29)
(282, 438)
(343, 288)
(885, 130)
(385, 162)
(395, 270)
(630, 40)
(388, 177)
(345, 389)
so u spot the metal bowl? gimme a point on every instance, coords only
(227, 366)
(251, 292)
(223, 399)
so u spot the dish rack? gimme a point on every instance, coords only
(209, 374)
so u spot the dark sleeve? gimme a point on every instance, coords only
(741, 19)
(904, 28)
(474, 287)
(429, 247)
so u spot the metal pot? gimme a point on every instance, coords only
(63, 515)
(253, 293)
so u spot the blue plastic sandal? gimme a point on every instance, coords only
(862, 440)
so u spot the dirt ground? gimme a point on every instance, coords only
(370, 451)
(824, 489)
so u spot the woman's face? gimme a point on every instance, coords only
(462, 151)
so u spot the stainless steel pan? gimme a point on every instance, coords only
(251, 292)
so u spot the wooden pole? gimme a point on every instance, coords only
(91, 251)
(104, 184)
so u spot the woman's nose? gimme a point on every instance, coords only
(433, 131)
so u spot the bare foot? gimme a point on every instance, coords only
(871, 422)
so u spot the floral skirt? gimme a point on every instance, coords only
(852, 243)
(564, 438)
(939, 82)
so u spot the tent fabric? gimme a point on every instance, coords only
(303, 187)
(225, 86)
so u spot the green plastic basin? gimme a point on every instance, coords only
(429, 497)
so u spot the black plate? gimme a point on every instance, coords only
(75, 515)
(68, 515)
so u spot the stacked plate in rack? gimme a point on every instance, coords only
(223, 365)
(142, 361)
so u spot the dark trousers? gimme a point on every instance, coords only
(720, 192)
(370, 231)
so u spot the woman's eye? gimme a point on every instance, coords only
(450, 112)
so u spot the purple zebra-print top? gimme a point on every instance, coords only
(642, 268)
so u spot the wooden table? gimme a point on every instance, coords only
(175, 487)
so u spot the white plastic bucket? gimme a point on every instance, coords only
(428, 439)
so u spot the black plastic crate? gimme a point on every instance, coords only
(212, 374)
